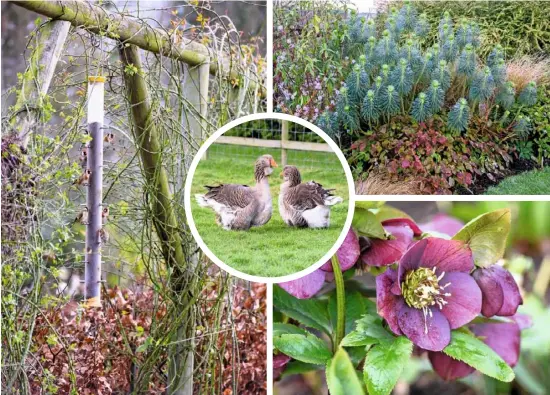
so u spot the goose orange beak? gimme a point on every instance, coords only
(273, 163)
(281, 175)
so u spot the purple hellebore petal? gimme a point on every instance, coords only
(403, 222)
(347, 254)
(443, 223)
(499, 290)
(387, 303)
(387, 252)
(448, 368)
(279, 363)
(305, 287)
(431, 332)
(445, 255)
(502, 337)
(464, 301)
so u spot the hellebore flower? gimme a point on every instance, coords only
(279, 363)
(307, 286)
(442, 223)
(431, 293)
(377, 252)
(499, 290)
(503, 337)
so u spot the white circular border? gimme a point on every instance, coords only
(212, 139)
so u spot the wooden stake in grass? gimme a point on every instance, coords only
(92, 273)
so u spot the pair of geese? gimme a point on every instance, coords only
(239, 207)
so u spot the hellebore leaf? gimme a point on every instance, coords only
(368, 331)
(472, 351)
(285, 329)
(368, 205)
(384, 364)
(355, 308)
(341, 376)
(486, 236)
(310, 312)
(366, 224)
(299, 367)
(305, 348)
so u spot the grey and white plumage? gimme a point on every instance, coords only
(304, 204)
(239, 207)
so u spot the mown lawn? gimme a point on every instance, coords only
(534, 182)
(274, 249)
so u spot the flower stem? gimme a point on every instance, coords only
(340, 302)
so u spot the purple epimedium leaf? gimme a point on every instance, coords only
(448, 368)
(347, 254)
(500, 293)
(443, 223)
(444, 255)
(387, 252)
(305, 287)
(387, 303)
(464, 301)
(430, 332)
(503, 337)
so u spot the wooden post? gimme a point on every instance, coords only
(284, 139)
(163, 217)
(47, 47)
(92, 270)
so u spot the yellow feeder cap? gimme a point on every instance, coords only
(97, 78)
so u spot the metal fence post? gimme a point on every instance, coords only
(92, 270)
(284, 140)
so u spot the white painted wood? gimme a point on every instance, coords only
(289, 145)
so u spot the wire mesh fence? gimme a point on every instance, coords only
(265, 131)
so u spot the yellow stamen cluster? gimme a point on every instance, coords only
(421, 290)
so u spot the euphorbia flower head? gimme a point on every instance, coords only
(431, 293)
(377, 252)
(307, 286)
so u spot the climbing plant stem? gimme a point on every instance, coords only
(340, 302)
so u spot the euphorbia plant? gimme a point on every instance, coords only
(439, 289)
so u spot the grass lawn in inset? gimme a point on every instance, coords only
(534, 182)
(275, 249)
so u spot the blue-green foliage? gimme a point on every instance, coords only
(483, 85)
(442, 74)
(467, 61)
(420, 109)
(506, 95)
(396, 73)
(458, 117)
(521, 126)
(357, 82)
(436, 96)
(422, 26)
(402, 77)
(370, 109)
(389, 101)
(329, 123)
(528, 96)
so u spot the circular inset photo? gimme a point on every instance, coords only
(268, 197)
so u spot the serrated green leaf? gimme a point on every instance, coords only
(472, 351)
(281, 329)
(299, 367)
(366, 224)
(358, 339)
(371, 326)
(310, 312)
(389, 212)
(384, 365)
(355, 309)
(305, 348)
(486, 236)
(341, 376)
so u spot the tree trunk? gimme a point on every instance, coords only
(180, 365)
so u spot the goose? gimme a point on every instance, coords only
(239, 207)
(304, 204)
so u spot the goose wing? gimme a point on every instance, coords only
(234, 196)
(308, 196)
